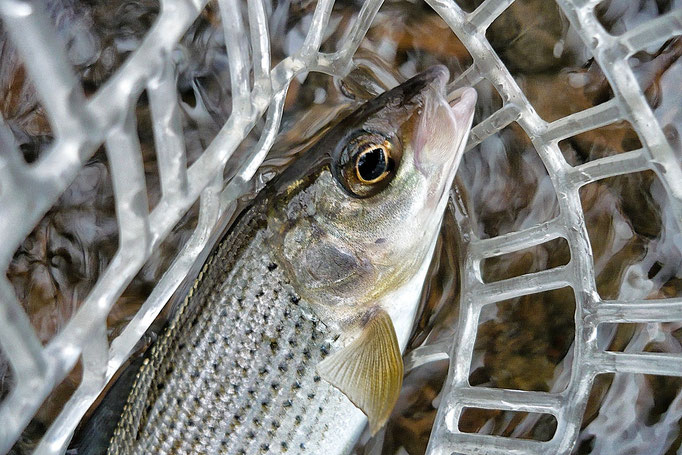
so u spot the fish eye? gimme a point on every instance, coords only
(372, 164)
(367, 164)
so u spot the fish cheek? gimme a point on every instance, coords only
(328, 264)
(323, 270)
(335, 269)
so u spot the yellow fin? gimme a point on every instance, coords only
(369, 371)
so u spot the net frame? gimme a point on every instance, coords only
(81, 125)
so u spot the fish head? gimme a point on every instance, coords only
(358, 215)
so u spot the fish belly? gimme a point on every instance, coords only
(234, 372)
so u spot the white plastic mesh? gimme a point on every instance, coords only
(81, 125)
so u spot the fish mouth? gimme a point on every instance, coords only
(441, 135)
(462, 102)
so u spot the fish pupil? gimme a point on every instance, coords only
(372, 164)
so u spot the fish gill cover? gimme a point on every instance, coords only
(557, 272)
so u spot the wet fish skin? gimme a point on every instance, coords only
(243, 377)
(322, 259)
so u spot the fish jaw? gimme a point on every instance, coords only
(439, 141)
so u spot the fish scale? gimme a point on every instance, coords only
(235, 370)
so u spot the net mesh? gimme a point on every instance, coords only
(81, 125)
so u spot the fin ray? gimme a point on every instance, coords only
(369, 371)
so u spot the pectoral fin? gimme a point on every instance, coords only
(369, 371)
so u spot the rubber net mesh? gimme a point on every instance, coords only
(82, 124)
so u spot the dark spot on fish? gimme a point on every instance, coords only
(316, 378)
(160, 386)
(285, 446)
(241, 452)
(306, 354)
(251, 435)
(302, 446)
(178, 400)
(196, 400)
(190, 423)
(296, 386)
(297, 325)
(249, 331)
(292, 342)
(275, 424)
(300, 371)
(283, 367)
(279, 328)
(256, 421)
(260, 294)
(251, 392)
(181, 346)
(273, 346)
(289, 355)
(324, 350)
(320, 409)
(287, 404)
(262, 371)
(264, 447)
(311, 396)
(237, 417)
(194, 374)
(298, 420)
(294, 299)
(264, 404)
(215, 366)
(235, 387)
(272, 266)
(212, 341)
(223, 313)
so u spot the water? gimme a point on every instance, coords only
(503, 186)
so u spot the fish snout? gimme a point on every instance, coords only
(442, 132)
(430, 80)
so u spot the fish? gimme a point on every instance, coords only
(290, 339)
